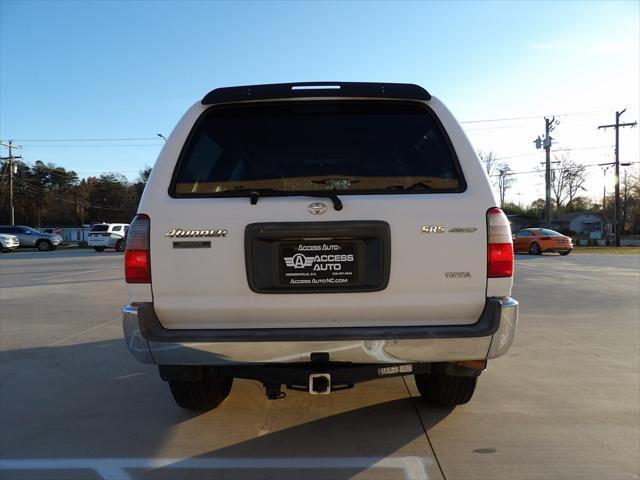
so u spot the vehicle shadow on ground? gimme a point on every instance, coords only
(93, 401)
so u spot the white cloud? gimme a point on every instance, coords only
(612, 48)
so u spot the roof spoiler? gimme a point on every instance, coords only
(404, 91)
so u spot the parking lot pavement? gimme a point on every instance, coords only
(562, 404)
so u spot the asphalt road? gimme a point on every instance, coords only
(562, 404)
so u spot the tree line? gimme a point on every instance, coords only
(568, 192)
(50, 195)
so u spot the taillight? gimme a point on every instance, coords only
(137, 258)
(500, 245)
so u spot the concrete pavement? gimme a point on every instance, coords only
(563, 403)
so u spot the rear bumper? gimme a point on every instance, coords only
(490, 337)
(559, 248)
(102, 242)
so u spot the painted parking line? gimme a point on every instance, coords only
(84, 331)
(413, 468)
(31, 281)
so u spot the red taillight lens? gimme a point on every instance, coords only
(500, 260)
(137, 258)
(136, 266)
(500, 245)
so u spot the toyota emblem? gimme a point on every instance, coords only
(317, 208)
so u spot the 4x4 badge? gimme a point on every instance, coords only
(317, 208)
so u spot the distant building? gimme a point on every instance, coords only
(518, 222)
(585, 224)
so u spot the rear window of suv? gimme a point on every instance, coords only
(345, 146)
(100, 228)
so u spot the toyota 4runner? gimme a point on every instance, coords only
(313, 236)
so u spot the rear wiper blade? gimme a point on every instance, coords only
(255, 193)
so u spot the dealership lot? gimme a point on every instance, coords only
(562, 404)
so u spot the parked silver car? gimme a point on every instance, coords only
(29, 237)
(8, 243)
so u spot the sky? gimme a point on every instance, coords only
(122, 72)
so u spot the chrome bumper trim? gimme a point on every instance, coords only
(387, 350)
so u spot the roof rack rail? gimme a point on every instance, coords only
(405, 91)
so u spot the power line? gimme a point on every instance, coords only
(556, 151)
(554, 169)
(41, 191)
(96, 146)
(121, 139)
(485, 120)
(536, 117)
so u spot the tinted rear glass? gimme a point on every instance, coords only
(100, 228)
(310, 146)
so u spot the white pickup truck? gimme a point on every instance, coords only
(314, 236)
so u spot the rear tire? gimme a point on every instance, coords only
(445, 390)
(44, 245)
(535, 249)
(119, 246)
(99, 249)
(204, 394)
(565, 253)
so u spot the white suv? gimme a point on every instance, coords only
(314, 236)
(108, 235)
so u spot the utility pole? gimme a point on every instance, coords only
(549, 125)
(12, 171)
(616, 216)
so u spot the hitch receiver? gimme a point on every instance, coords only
(320, 384)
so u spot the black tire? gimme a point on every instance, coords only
(445, 390)
(535, 249)
(120, 246)
(44, 245)
(205, 394)
(99, 249)
(567, 252)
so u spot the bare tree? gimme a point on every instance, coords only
(505, 180)
(567, 181)
(489, 161)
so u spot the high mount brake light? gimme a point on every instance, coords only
(500, 245)
(137, 258)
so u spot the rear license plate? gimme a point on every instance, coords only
(318, 263)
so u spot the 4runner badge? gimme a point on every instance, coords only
(317, 208)
(181, 233)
